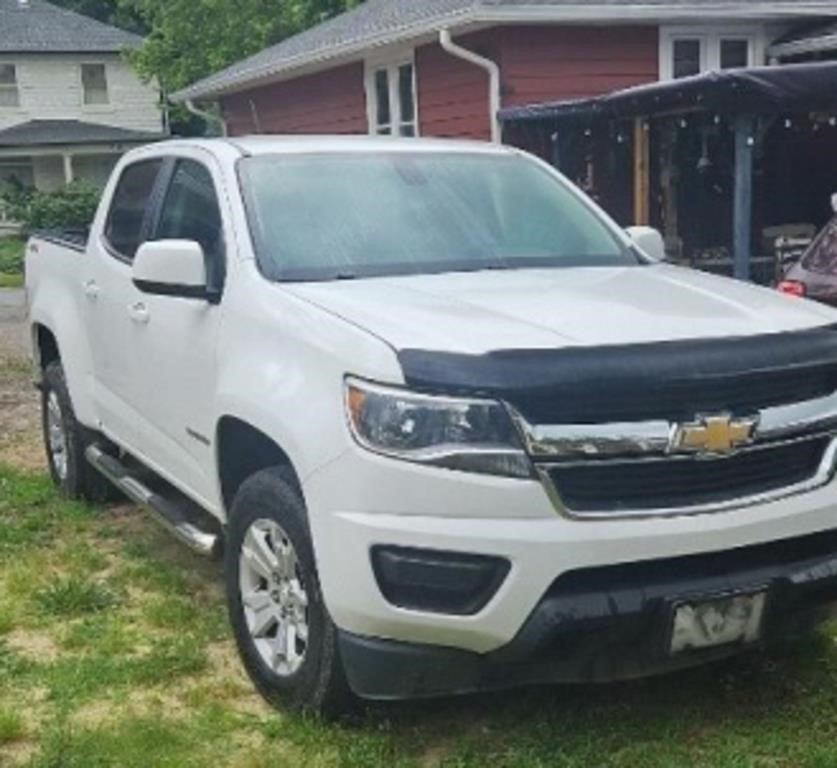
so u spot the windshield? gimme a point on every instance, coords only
(340, 216)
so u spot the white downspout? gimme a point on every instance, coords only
(489, 66)
(208, 116)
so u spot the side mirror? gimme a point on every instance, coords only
(649, 241)
(171, 268)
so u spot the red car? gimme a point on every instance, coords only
(814, 276)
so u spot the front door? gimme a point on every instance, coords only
(176, 346)
(113, 303)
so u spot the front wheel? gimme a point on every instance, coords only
(285, 637)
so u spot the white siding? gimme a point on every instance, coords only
(50, 89)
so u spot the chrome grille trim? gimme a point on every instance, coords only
(568, 445)
(654, 438)
(823, 476)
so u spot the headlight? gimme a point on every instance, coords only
(466, 434)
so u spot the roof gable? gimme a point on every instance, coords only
(39, 27)
(377, 22)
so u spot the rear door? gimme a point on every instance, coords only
(177, 345)
(113, 301)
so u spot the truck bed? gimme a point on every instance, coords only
(74, 239)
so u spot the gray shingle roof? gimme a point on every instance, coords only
(377, 21)
(821, 37)
(39, 133)
(38, 27)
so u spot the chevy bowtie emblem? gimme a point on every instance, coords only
(713, 434)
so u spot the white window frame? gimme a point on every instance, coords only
(391, 62)
(16, 68)
(710, 38)
(98, 105)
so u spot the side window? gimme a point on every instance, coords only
(94, 84)
(9, 94)
(191, 212)
(124, 226)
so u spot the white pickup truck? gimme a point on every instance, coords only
(451, 427)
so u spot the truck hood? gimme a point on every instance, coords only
(476, 313)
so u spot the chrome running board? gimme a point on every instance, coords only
(168, 513)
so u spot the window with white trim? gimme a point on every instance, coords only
(94, 83)
(691, 51)
(9, 94)
(391, 98)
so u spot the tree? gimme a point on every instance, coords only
(190, 39)
(107, 11)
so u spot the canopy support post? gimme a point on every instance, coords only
(642, 173)
(743, 206)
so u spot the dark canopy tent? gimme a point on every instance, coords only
(744, 95)
(757, 90)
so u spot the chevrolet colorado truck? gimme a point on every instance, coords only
(450, 428)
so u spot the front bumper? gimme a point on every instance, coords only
(610, 623)
(547, 621)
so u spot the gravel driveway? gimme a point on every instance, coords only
(20, 443)
(13, 341)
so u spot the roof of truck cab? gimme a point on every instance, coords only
(268, 145)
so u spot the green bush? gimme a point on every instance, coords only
(71, 207)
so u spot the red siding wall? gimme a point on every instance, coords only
(329, 102)
(453, 94)
(543, 63)
(551, 63)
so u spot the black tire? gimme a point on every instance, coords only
(319, 685)
(76, 479)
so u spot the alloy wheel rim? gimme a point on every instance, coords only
(56, 436)
(274, 597)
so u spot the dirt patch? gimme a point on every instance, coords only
(32, 645)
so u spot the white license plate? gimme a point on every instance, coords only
(720, 621)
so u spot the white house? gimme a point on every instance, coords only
(70, 104)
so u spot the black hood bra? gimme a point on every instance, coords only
(671, 380)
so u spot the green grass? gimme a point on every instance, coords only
(12, 727)
(11, 281)
(114, 651)
(73, 596)
(11, 262)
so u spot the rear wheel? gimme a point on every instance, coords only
(66, 440)
(284, 634)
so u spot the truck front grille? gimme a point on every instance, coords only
(602, 487)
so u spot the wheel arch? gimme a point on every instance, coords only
(242, 450)
(44, 345)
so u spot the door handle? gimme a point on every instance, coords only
(139, 313)
(92, 290)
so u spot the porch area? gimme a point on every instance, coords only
(735, 168)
